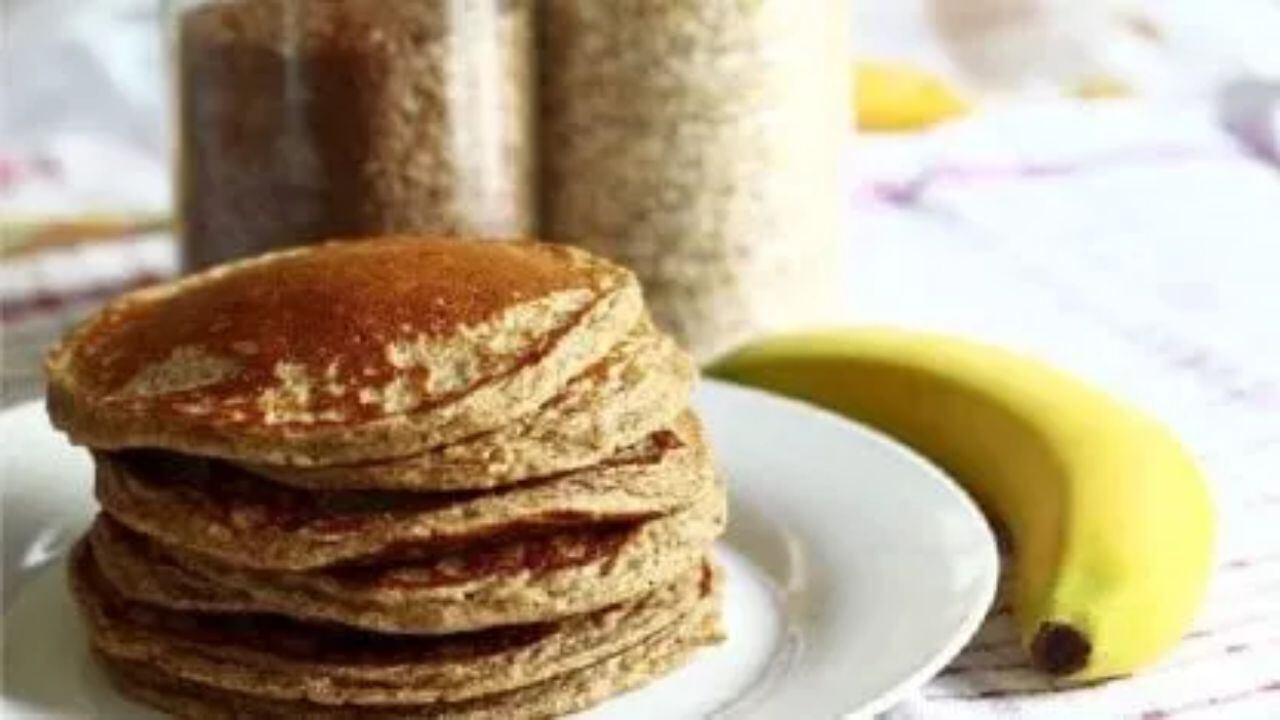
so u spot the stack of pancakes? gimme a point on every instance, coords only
(390, 478)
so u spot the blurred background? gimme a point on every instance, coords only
(1014, 164)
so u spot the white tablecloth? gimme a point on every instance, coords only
(1143, 254)
(1147, 261)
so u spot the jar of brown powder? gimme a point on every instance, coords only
(301, 120)
(700, 142)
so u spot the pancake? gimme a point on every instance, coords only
(220, 510)
(572, 691)
(637, 388)
(340, 353)
(504, 582)
(274, 656)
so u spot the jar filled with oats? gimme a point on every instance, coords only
(307, 119)
(700, 142)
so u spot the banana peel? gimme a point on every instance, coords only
(1111, 521)
(898, 97)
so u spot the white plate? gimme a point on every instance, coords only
(856, 571)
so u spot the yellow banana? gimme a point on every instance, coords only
(899, 97)
(1111, 521)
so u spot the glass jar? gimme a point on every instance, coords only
(302, 120)
(700, 142)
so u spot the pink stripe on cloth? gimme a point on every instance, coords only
(909, 191)
(46, 302)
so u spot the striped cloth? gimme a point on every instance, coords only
(1134, 245)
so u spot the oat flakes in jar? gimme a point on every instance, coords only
(300, 120)
(700, 142)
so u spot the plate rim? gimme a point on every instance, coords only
(990, 575)
(29, 410)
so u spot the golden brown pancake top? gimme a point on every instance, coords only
(341, 333)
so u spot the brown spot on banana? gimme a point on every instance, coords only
(1060, 649)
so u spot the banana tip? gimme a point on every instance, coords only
(1060, 649)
